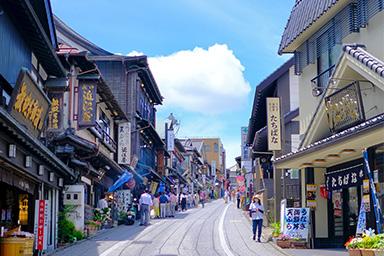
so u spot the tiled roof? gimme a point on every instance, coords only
(303, 15)
(357, 52)
(376, 121)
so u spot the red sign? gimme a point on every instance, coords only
(40, 227)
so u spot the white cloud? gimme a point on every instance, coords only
(206, 81)
(135, 53)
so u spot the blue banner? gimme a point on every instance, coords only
(125, 177)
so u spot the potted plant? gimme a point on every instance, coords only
(92, 226)
(283, 241)
(367, 245)
(122, 218)
(299, 243)
(275, 230)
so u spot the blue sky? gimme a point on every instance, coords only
(207, 56)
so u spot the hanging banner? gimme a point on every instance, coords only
(153, 187)
(124, 143)
(296, 222)
(87, 104)
(273, 124)
(345, 178)
(311, 195)
(170, 140)
(362, 220)
(54, 115)
(41, 224)
(29, 105)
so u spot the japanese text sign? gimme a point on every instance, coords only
(87, 104)
(273, 124)
(344, 178)
(124, 143)
(29, 105)
(54, 115)
(344, 108)
(41, 224)
(296, 222)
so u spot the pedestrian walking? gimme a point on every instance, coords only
(163, 205)
(256, 212)
(145, 202)
(156, 205)
(173, 199)
(168, 207)
(183, 202)
(226, 196)
(238, 196)
(202, 198)
(196, 199)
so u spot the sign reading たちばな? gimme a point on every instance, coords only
(296, 222)
(273, 124)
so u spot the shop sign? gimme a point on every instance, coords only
(337, 204)
(311, 195)
(344, 178)
(124, 143)
(123, 200)
(87, 104)
(54, 115)
(153, 187)
(344, 108)
(41, 224)
(170, 140)
(273, 124)
(29, 105)
(296, 222)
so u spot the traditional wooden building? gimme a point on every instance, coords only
(29, 171)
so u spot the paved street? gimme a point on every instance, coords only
(218, 229)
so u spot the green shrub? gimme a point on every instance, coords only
(65, 230)
(78, 234)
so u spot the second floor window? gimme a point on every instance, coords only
(105, 123)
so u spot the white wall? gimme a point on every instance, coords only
(321, 212)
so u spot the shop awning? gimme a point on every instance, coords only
(125, 177)
(147, 171)
(177, 175)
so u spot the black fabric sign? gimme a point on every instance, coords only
(345, 178)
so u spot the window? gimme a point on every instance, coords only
(216, 147)
(207, 148)
(105, 123)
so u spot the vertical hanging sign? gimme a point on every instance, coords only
(54, 115)
(273, 124)
(124, 143)
(87, 104)
(41, 224)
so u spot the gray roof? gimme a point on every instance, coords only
(357, 52)
(304, 13)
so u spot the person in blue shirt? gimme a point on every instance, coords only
(163, 205)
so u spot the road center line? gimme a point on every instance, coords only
(223, 241)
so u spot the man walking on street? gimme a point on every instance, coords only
(145, 202)
(163, 205)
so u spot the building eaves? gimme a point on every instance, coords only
(76, 37)
(303, 14)
(30, 26)
(357, 52)
(372, 123)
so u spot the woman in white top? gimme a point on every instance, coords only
(256, 211)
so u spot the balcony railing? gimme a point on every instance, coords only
(104, 137)
(320, 82)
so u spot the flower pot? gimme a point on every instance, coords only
(299, 244)
(283, 243)
(367, 252)
(354, 252)
(379, 252)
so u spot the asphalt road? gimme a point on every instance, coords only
(218, 229)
